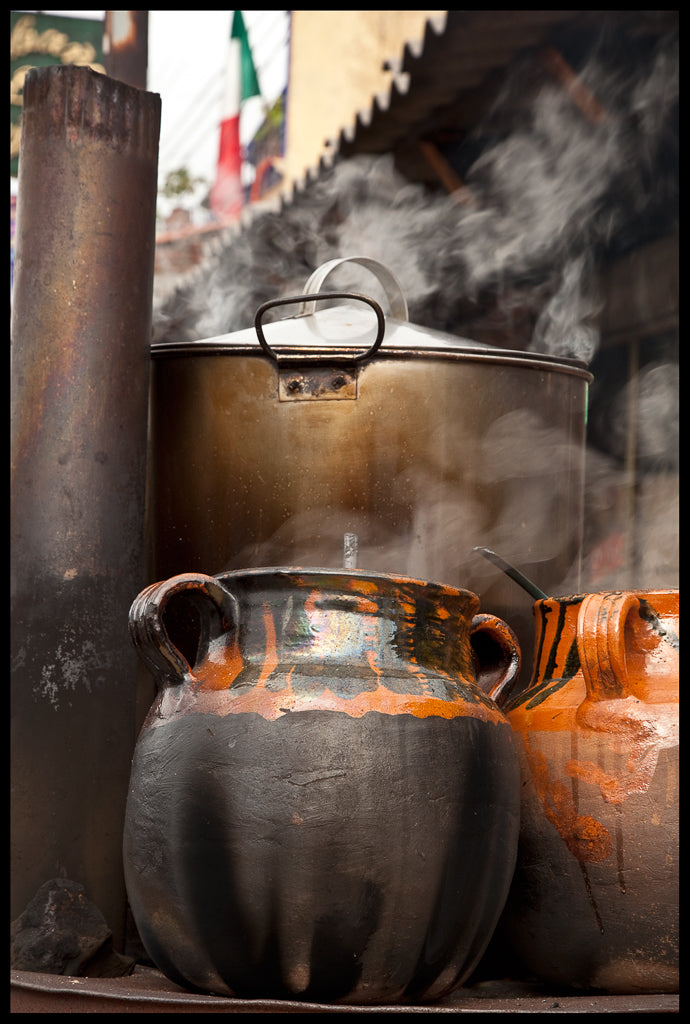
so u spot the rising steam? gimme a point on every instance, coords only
(568, 189)
(547, 202)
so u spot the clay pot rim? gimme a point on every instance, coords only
(641, 592)
(342, 575)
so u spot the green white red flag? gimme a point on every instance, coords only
(241, 82)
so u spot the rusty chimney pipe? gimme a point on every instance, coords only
(81, 324)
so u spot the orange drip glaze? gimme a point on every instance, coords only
(272, 704)
(586, 838)
(222, 672)
(214, 693)
(216, 688)
(271, 656)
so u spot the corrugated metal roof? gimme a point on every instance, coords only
(449, 78)
(455, 57)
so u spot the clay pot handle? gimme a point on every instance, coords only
(150, 637)
(497, 654)
(601, 643)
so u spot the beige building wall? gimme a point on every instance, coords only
(336, 69)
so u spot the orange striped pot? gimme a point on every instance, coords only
(324, 804)
(594, 902)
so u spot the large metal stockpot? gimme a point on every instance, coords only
(345, 437)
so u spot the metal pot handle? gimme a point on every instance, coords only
(357, 358)
(219, 615)
(390, 283)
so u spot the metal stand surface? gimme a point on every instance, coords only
(148, 991)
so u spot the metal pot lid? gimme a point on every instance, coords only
(351, 329)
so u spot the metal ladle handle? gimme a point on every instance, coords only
(532, 589)
(388, 280)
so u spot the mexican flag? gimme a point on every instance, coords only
(241, 82)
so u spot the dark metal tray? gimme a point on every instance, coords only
(148, 991)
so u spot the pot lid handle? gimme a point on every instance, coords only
(390, 283)
(367, 354)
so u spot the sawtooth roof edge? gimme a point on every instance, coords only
(458, 49)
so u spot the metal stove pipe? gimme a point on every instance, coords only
(81, 324)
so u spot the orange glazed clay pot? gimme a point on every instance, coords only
(594, 900)
(324, 804)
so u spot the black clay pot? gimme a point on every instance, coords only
(324, 804)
